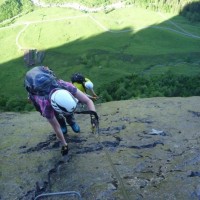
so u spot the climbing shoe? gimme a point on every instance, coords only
(64, 130)
(64, 150)
(75, 127)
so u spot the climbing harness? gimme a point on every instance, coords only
(77, 194)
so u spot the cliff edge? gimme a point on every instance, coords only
(145, 149)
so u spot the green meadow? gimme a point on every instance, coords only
(103, 46)
(2, 1)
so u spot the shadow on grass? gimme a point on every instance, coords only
(113, 54)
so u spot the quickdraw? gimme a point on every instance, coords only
(95, 129)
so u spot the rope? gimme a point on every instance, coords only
(88, 112)
(116, 173)
(96, 131)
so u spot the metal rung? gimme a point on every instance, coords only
(59, 193)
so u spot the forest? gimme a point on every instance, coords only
(165, 85)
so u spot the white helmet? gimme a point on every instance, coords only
(89, 85)
(63, 101)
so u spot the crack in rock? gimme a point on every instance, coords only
(193, 174)
(147, 145)
(112, 130)
(195, 114)
(144, 120)
(43, 145)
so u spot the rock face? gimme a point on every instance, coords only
(145, 149)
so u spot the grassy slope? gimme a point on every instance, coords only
(2, 1)
(111, 54)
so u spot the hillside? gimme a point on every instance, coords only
(146, 149)
(105, 46)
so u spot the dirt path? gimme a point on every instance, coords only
(77, 6)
